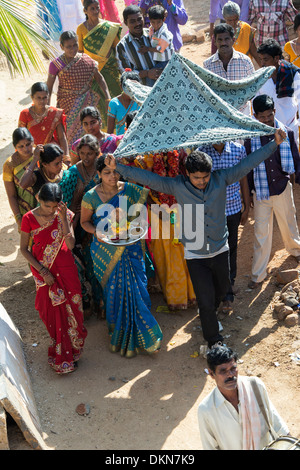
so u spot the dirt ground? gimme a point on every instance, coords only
(144, 403)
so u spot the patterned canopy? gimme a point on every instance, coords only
(189, 106)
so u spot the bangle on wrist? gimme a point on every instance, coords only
(18, 216)
(68, 235)
(30, 169)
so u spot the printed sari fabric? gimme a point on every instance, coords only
(109, 10)
(76, 90)
(168, 253)
(100, 44)
(59, 305)
(13, 170)
(121, 272)
(43, 131)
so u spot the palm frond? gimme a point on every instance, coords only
(22, 35)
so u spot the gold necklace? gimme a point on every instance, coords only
(38, 117)
(89, 177)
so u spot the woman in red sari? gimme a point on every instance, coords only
(46, 124)
(58, 290)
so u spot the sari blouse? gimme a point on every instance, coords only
(290, 54)
(44, 131)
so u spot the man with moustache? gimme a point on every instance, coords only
(231, 417)
(130, 50)
(227, 62)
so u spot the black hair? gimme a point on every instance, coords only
(198, 161)
(51, 192)
(66, 36)
(90, 111)
(130, 117)
(157, 12)
(270, 47)
(262, 102)
(39, 86)
(50, 153)
(218, 355)
(89, 140)
(100, 165)
(223, 28)
(130, 10)
(296, 22)
(129, 75)
(19, 134)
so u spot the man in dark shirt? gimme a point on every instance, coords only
(272, 191)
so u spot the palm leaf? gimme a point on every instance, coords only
(21, 35)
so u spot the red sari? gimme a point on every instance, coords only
(59, 305)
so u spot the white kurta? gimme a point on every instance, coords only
(71, 14)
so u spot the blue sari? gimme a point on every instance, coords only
(122, 274)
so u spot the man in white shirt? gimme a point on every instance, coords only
(283, 86)
(230, 417)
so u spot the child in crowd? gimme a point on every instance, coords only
(161, 37)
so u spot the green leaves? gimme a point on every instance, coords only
(21, 35)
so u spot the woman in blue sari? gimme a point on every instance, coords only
(121, 269)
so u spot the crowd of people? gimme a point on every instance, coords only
(63, 179)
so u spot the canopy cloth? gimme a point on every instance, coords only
(182, 110)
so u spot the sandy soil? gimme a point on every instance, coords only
(145, 403)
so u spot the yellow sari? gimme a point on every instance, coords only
(244, 37)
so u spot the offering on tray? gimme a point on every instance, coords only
(119, 224)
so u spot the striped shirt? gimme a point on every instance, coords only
(162, 40)
(271, 19)
(232, 154)
(128, 56)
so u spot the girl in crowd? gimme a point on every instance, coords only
(98, 38)
(121, 269)
(92, 124)
(79, 83)
(20, 200)
(81, 178)
(51, 167)
(58, 292)
(46, 124)
(121, 105)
